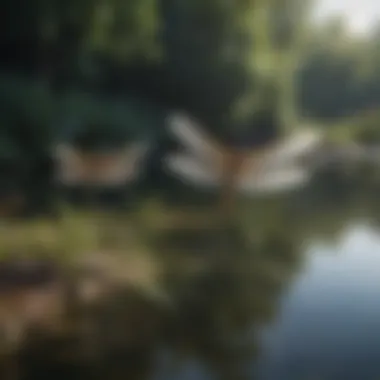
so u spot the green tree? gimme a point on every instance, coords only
(208, 51)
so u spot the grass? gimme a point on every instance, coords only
(138, 245)
(124, 246)
(112, 243)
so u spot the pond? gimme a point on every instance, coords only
(324, 321)
(326, 324)
(294, 297)
(329, 319)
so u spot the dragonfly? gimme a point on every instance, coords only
(104, 169)
(272, 168)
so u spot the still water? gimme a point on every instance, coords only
(296, 297)
(327, 323)
(328, 326)
(317, 314)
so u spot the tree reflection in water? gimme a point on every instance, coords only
(223, 286)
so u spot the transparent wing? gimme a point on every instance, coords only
(94, 169)
(294, 147)
(191, 170)
(70, 168)
(194, 139)
(118, 168)
(279, 157)
(133, 159)
(275, 181)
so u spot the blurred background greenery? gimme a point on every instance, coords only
(257, 67)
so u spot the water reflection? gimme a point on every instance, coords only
(330, 319)
(289, 293)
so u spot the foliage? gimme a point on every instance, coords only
(339, 77)
(218, 56)
(26, 114)
(246, 69)
(119, 119)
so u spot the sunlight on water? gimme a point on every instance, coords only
(330, 318)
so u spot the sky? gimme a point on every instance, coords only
(361, 14)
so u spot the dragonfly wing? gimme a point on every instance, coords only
(134, 157)
(190, 170)
(194, 139)
(275, 181)
(100, 170)
(70, 168)
(296, 146)
(123, 167)
(286, 152)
